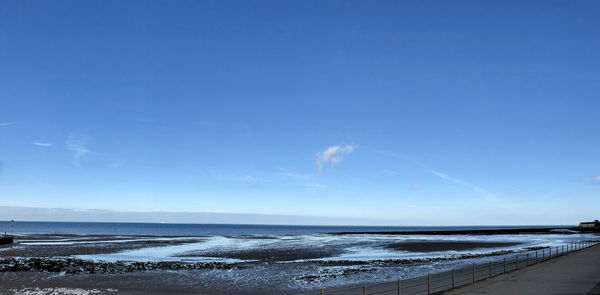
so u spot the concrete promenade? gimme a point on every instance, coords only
(575, 273)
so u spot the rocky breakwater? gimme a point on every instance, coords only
(6, 240)
(72, 265)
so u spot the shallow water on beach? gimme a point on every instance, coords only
(282, 258)
(339, 247)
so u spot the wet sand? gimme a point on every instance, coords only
(34, 245)
(273, 255)
(510, 231)
(35, 262)
(142, 283)
(445, 246)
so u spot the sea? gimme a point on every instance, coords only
(180, 229)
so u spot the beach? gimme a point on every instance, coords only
(250, 263)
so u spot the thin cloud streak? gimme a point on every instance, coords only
(42, 144)
(593, 179)
(398, 156)
(9, 123)
(77, 143)
(488, 195)
(239, 177)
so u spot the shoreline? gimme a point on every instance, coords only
(507, 231)
(246, 264)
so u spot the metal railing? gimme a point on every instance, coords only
(450, 279)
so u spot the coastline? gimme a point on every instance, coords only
(507, 231)
(253, 264)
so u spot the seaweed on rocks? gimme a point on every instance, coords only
(72, 265)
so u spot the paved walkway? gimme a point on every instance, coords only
(575, 273)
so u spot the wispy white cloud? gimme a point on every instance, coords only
(392, 172)
(77, 143)
(515, 191)
(44, 144)
(488, 195)
(333, 155)
(9, 123)
(398, 156)
(117, 164)
(417, 185)
(285, 173)
(239, 177)
(593, 179)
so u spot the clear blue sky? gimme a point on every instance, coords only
(454, 112)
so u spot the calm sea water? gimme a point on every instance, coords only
(169, 229)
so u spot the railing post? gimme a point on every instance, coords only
(504, 265)
(536, 256)
(517, 262)
(490, 269)
(527, 260)
(399, 286)
(473, 273)
(549, 252)
(453, 279)
(322, 292)
(428, 284)
(364, 289)
(543, 254)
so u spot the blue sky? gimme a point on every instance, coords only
(424, 112)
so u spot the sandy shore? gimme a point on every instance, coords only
(49, 262)
(509, 231)
(68, 245)
(421, 247)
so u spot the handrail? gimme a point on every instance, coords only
(450, 279)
